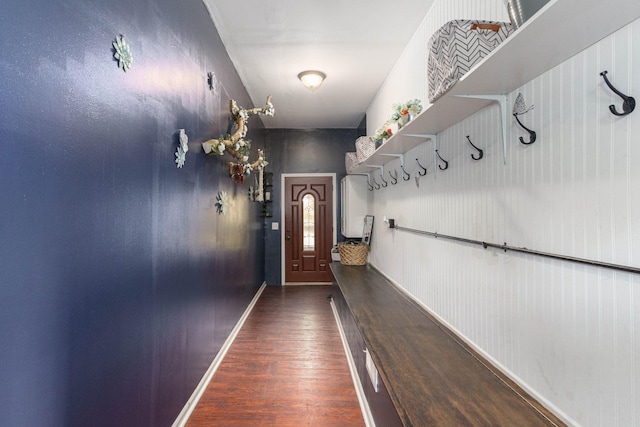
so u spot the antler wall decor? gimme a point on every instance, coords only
(236, 145)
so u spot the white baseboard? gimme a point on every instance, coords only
(362, 399)
(188, 408)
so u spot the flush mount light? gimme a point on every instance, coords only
(312, 78)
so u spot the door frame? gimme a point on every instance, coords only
(282, 209)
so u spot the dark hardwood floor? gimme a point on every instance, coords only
(287, 367)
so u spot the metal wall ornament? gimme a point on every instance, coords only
(122, 53)
(519, 108)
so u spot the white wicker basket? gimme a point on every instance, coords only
(365, 146)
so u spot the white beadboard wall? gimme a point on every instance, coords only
(569, 333)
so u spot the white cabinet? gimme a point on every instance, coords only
(354, 194)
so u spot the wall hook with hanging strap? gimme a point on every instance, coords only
(446, 164)
(423, 172)
(532, 134)
(628, 102)
(480, 152)
(394, 179)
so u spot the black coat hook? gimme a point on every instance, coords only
(384, 183)
(532, 134)
(628, 103)
(446, 164)
(405, 174)
(423, 172)
(375, 184)
(369, 185)
(394, 179)
(480, 152)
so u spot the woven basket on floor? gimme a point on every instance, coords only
(353, 254)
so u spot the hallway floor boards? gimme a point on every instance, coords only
(286, 367)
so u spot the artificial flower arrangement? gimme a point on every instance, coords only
(405, 112)
(383, 132)
(236, 145)
(402, 113)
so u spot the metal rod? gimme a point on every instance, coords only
(506, 247)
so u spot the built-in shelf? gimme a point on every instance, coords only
(560, 30)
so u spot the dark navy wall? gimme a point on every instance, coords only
(119, 282)
(301, 151)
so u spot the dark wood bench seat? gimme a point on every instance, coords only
(432, 377)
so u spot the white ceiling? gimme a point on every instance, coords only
(354, 42)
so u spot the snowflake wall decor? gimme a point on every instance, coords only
(123, 53)
(183, 147)
(180, 157)
(222, 202)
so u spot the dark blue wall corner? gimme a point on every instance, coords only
(301, 151)
(119, 280)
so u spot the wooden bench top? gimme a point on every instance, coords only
(433, 378)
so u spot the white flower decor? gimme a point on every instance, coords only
(123, 53)
(236, 145)
(222, 202)
(184, 140)
(213, 148)
(180, 157)
(183, 147)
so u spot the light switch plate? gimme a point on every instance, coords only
(275, 226)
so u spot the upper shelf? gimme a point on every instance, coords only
(560, 30)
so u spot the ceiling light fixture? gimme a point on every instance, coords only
(312, 78)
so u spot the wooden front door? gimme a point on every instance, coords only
(308, 222)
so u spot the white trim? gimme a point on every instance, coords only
(282, 213)
(188, 408)
(362, 399)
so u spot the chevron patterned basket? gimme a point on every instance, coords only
(456, 47)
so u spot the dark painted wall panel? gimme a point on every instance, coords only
(380, 404)
(301, 151)
(119, 281)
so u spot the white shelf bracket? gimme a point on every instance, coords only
(417, 135)
(399, 156)
(504, 110)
